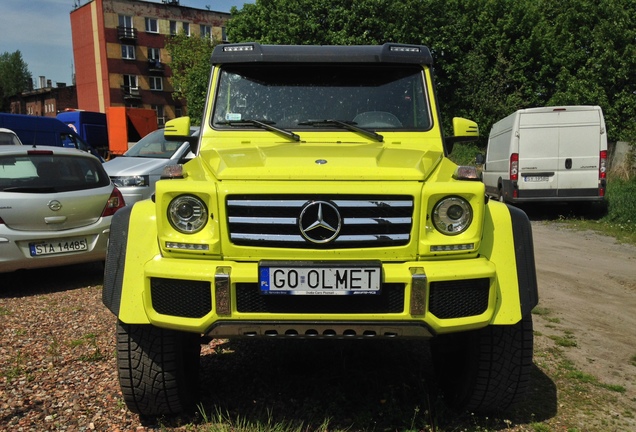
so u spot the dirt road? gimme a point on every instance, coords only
(587, 289)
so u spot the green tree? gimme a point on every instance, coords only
(14, 77)
(190, 65)
(492, 56)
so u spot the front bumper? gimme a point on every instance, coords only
(221, 299)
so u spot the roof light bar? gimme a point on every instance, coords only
(404, 49)
(236, 48)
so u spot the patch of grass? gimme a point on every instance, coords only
(15, 369)
(632, 360)
(541, 311)
(567, 340)
(89, 339)
(5, 311)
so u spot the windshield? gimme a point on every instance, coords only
(156, 146)
(301, 96)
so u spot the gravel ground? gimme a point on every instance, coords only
(57, 353)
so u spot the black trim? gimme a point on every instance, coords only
(409, 54)
(116, 259)
(524, 255)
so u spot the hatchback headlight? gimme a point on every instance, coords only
(187, 214)
(131, 181)
(452, 215)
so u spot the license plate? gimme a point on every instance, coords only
(58, 246)
(535, 179)
(313, 278)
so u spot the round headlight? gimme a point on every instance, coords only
(452, 215)
(187, 214)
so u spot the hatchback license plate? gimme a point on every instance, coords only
(313, 278)
(58, 247)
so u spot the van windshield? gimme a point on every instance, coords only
(299, 96)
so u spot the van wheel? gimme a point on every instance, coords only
(501, 195)
(158, 368)
(486, 370)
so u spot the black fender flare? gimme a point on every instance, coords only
(524, 256)
(116, 259)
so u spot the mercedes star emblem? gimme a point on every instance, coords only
(320, 222)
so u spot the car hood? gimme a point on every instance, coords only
(323, 162)
(53, 211)
(127, 166)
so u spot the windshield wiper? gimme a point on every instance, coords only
(344, 124)
(263, 125)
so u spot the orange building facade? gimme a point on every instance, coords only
(120, 55)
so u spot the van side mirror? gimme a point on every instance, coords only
(480, 159)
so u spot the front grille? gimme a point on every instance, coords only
(456, 299)
(275, 220)
(390, 300)
(184, 298)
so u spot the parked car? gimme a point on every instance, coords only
(8, 137)
(56, 205)
(136, 171)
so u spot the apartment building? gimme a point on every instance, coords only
(120, 56)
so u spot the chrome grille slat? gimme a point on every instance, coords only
(272, 221)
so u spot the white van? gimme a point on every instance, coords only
(547, 154)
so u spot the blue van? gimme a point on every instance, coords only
(48, 131)
(89, 125)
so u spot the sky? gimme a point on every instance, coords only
(41, 31)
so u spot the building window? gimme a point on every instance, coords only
(125, 21)
(156, 83)
(128, 52)
(186, 28)
(125, 29)
(131, 83)
(206, 31)
(178, 111)
(223, 34)
(173, 28)
(154, 54)
(161, 117)
(151, 25)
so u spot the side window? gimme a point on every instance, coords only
(186, 28)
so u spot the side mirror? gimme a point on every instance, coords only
(463, 130)
(179, 130)
(480, 159)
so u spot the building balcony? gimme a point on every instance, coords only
(127, 34)
(155, 67)
(130, 93)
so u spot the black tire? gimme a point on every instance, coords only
(487, 370)
(158, 368)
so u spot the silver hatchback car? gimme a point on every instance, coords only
(136, 171)
(56, 205)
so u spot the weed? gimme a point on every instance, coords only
(54, 350)
(567, 340)
(4, 311)
(539, 310)
(614, 387)
(540, 427)
(96, 354)
(632, 360)
(16, 369)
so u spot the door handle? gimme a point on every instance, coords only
(568, 163)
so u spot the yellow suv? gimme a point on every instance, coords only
(321, 204)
